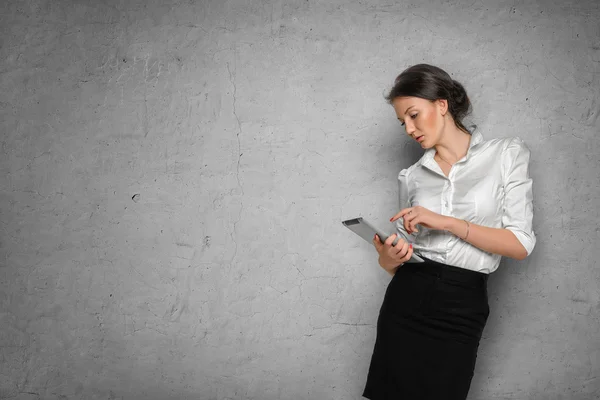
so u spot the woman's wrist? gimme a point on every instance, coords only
(458, 227)
(391, 269)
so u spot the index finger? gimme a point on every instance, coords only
(391, 239)
(400, 214)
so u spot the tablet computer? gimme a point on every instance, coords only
(367, 231)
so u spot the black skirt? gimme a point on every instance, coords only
(428, 333)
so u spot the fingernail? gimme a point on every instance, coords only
(411, 245)
(391, 219)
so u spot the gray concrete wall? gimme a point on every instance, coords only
(174, 173)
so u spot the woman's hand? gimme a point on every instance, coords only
(422, 216)
(392, 257)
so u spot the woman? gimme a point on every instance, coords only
(466, 203)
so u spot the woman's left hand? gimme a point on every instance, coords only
(422, 216)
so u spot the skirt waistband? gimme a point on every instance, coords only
(445, 271)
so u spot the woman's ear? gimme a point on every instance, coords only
(442, 106)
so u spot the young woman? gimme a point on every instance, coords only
(466, 203)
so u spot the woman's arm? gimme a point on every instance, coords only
(516, 238)
(494, 240)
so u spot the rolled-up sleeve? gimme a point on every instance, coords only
(518, 193)
(403, 203)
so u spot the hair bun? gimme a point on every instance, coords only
(458, 91)
(461, 104)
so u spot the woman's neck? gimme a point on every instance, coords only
(454, 145)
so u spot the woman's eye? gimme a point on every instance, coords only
(412, 116)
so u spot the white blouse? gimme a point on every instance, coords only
(489, 186)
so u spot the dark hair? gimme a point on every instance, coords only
(432, 83)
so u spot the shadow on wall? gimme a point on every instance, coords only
(499, 322)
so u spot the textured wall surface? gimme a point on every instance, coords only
(173, 175)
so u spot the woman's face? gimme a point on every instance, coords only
(422, 119)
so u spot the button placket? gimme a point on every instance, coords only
(447, 195)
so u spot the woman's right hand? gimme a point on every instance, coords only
(392, 257)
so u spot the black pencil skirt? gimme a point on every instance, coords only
(428, 333)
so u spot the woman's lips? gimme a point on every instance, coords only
(420, 139)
